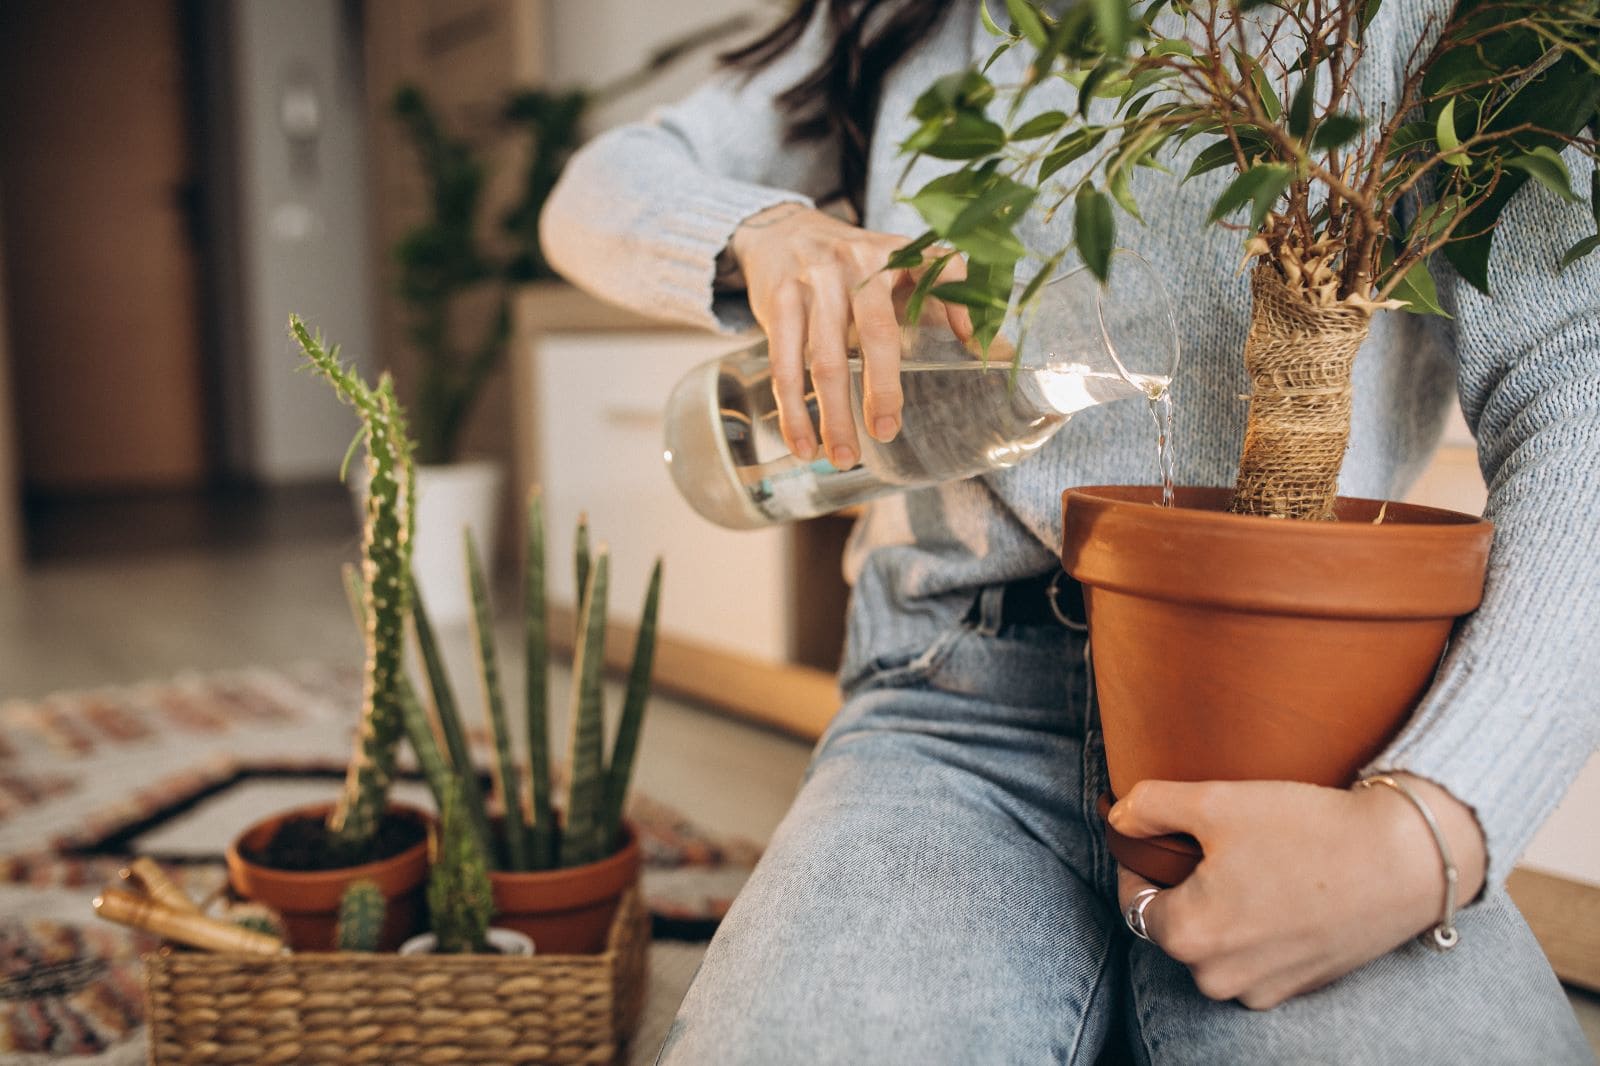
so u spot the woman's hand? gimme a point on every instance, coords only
(1299, 884)
(812, 280)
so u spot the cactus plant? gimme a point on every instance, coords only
(386, 559)
(460, 897)
(362, 910)
(593, 827)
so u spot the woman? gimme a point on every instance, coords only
(940, 890)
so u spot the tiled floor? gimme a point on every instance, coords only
(144, 589)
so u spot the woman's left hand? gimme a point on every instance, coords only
(1299, 884)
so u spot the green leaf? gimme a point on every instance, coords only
(1094, 230)
(1249, 68)
(1172, 46)
(1546, 166)
(1369, 11)
(969, 295)
(990, 244)
(1102, 70)
(1261, 185)
(1594, 193)
(919, 293)
(1444, 131)
(1117, 184)
(967, 136)
(1417, 289)
(945, 197)
(1045, 272)
(1215, 155)
(1411, 136)
(1578, 251)
(1111, 19)
(1028, 24)
(1434, 219)
(1145, 79)
(1001, 204)
(996, 279)
(963, 90)
(988, 21)
(1337, 130)
(910, 255)
(1073, 146)
(1040, 126)
(922, 136)
(1300, 106)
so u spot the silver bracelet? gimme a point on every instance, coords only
(1443, 936)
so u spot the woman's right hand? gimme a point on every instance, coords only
(812, 280)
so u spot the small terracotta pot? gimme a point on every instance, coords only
(567, 911)
(309, 899)
(1229, 647)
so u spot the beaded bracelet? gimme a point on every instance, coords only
(1443, 936)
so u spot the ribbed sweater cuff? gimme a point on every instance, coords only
(694, 233)
(1472, 711)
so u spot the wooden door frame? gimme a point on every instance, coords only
(10, 492)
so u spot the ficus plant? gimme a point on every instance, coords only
(1338, 206)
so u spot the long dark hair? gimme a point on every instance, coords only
(838, 100)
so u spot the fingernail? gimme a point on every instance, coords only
(805, 448)
(884, 428)
(843, 457)
(1115, 815)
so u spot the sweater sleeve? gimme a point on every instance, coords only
(641, 213)
(1515, 709)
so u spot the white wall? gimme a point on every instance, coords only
(299, 215)
(594, 41)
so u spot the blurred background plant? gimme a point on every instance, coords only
(450, 255)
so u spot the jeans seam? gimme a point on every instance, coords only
(1099, 982)
(1133, 1015)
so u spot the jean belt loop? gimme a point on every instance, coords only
(990, 602)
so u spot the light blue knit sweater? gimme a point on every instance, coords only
(642, 212)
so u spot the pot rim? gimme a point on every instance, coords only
(1420, 562)
(235, 856)
(1400, 518)
(567, 887)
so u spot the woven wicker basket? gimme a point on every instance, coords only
(397, 1010)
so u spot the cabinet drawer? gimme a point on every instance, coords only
(599, 428)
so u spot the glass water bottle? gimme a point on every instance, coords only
(1077, 344)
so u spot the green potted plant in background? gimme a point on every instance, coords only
(1306, 641)
(557, 871)
(300, 862)
(449, 265)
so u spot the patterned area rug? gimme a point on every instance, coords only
(173, 769)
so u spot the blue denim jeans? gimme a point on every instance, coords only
(940, 892)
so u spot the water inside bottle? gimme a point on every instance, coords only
(958, 415)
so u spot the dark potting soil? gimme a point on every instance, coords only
(303, 843)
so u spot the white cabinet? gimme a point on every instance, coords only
(600, 398)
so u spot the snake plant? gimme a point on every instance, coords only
(530, 836)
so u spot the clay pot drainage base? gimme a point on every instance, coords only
(1232, 648)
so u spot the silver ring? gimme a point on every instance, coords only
(1134, 915)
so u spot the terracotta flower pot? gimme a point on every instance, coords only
(567, 911)
(309, 899)
(1229, 647)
